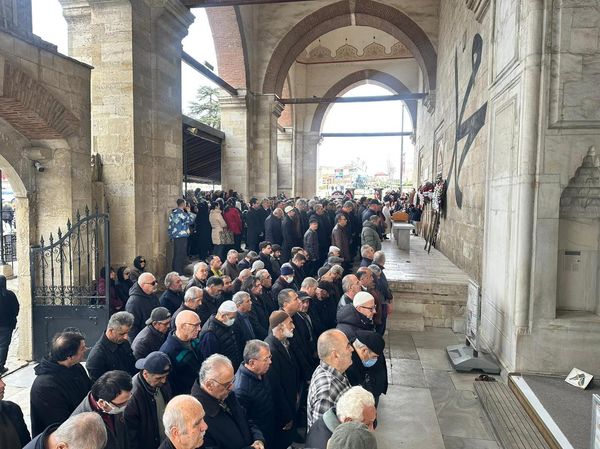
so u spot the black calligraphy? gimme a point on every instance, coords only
(470, 127)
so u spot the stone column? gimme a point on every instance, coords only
(263, 162)
(285, 175)
(234, 150)
(136, 113)
(305, 170)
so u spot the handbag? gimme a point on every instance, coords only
(226, 237)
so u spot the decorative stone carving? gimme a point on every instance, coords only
(429, 102)
(479, 8)
(581, 198)
(347, 53)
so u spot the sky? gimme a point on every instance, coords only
(49, 24)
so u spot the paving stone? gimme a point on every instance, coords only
(408, 373)
(434, 359)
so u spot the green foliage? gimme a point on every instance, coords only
(205, 108)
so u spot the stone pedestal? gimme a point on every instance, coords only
(136, 109)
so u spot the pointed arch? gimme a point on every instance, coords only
(341, 14)
(378, 77)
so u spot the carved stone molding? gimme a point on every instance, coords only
(347, 53)
(581, 198)
(479, 8)
(429, 102)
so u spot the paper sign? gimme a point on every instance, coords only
(579, 379)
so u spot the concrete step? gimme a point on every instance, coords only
(428, 286)
(406, 322)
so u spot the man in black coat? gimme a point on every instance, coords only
(357, 316)
(83, 430)
(108, 398)
(191, 301)
(13, 430)
(291, 235)
(228, 426)
(217, 335)
(283, 377)
(252, 390)
(255, 224)
(368, 367)
(150, 395)
(211, 298)
(61, 382)
(286, 280)
(300, 343)
(273, 231)
(152, 337)
(265, 255)
(172, 297)
(259, 313)
(113, 351)
(323, 232)
(142, 300)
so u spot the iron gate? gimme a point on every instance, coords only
(64, 274)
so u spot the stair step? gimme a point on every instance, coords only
(406, 322)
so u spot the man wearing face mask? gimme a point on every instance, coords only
(218, 337)
(368, 367)
(286, 280)
(109, 397)
(145, 409)
(357, 316)
(283, 377)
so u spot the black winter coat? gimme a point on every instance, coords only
(147, 341)
(283, 377)
(210, 306)
(39, 442)
(55, 393)
(140, 305)
(301, 348)
(12, 416)
(259, 317)
(108, 356)
(140, 414)
(185, 363)
(216, 338)
(273, 232)
(10, 309)
(279, 285)
(171, 300)
(255, 396)
(291, 237)
(226, 430)
(372, 379)
(266, 260)
(311, 244)
(323, 234)
(351, 320)
(117, 438)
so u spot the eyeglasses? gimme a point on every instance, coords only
(225, 385)
(372, 309)
(194, 324)
(265, 359)
(151, 283)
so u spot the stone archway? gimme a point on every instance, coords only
(384, 79)
(230, 45)
(342, 14)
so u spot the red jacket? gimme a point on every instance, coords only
(233, 218)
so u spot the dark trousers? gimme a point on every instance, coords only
(237, 242)
(5, 338)
(179, 254)
(380, 328)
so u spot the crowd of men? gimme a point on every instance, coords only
(277, 345)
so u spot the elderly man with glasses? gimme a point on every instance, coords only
(228, 425)
(183, 348)
(357, 316)
(142, 300)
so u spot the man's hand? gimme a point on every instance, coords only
(258, 445)
(390, 308)
(288, 426)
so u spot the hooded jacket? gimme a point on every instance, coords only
(351, 320)
(55, 393)
(370, 235)
(140, 305)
